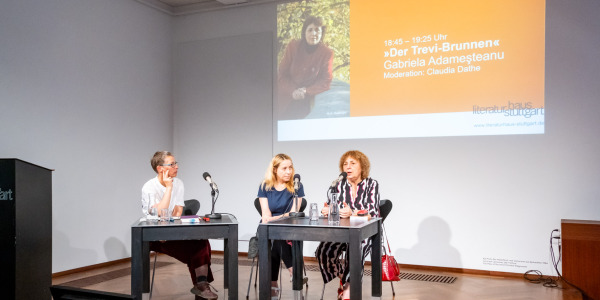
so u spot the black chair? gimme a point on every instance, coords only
(259, 209)
(191, 207)
(385, 207)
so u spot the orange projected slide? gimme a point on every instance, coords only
(436, 56)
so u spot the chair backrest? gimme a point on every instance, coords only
(303, 204)
(259, 210)
(385, 207)
(257, 206)
(191, 207)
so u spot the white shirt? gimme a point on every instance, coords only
(153, 187)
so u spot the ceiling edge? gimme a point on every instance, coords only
(198, 7)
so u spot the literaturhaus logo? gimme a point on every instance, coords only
(512, 109)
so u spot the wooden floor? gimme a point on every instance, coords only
(173, 281)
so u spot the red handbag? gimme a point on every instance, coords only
(390, 271)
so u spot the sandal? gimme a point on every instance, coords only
(203, 289)
(340, 291)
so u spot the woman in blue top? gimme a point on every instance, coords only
(276, 196)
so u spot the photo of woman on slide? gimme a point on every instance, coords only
(313, 55)
(304, 71)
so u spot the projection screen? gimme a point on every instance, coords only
(390, 69)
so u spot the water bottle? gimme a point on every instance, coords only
(334, 210)
(153, 199)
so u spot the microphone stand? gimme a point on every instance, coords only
(296, 214)
(214, 195)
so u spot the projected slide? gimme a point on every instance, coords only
(409, 68)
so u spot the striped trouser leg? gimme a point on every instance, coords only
(331, 261)
(329, 256)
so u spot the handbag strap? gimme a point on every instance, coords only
(386, 239)
(385, 235)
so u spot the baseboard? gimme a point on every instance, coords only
(91, 267)
(428, 268)
(313, 259)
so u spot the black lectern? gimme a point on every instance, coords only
(25, 230)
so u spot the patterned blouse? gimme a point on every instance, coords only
(367, 196)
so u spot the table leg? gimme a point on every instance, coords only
(298, 266)
(136, 262)
(231, 262)
(264, 263)
(355, 257)
(146, 266)
(226, 264)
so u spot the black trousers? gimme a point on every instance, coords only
(280, 250)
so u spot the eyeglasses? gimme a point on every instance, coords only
(170, 165)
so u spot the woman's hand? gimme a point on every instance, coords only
(325, 210)
(268, 219)
(345, 212)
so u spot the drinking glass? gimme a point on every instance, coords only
(314, 212)
(153, 215)
(164, 214)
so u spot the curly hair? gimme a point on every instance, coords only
(365, 165)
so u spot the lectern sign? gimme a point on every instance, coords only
(6, 194)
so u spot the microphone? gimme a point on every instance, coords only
(213, 185)
(296, 181)
(296, 214)
(214, 194)
(340, 178)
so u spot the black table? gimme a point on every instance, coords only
(142, 232)
(302, 229)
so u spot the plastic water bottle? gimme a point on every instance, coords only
(334, 210)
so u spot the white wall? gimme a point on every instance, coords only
(223, 122)
(223, 108)
(457, 200)
(85, 89)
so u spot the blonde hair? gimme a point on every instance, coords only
(271, 173)
(365, 165)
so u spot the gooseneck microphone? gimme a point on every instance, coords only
(296, 214)
(342, 177)
(296, 181)
(213, 185)
(214, 194)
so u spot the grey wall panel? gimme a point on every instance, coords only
(223, 117)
